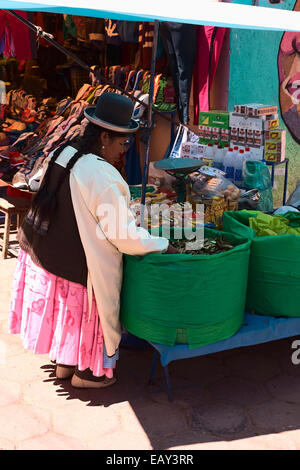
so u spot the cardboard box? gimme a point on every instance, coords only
(208, 133)
(271, 124)
(275, 141)
(214, 118)
(202, 132)
(225, 135)
(215, 134)
(191, 150)
(242, 136)
(240, 108)
(277, 135)
(245, 122)
(258, 140)
(250, 137)
(272, 146)
(274, 156)
(255, 109)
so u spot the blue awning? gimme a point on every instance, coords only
(203, 12)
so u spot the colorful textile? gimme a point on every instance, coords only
(209, 43)
(23, 38)
(51, 314)
(180, 44)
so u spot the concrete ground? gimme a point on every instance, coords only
(246, 398)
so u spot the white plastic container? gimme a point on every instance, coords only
(238, 168)
(248, 154)
(235, 150)
(209, 151)
(229, 162)
(218, 158)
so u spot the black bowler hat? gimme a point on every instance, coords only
(113, 112)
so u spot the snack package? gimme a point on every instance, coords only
(217, 186)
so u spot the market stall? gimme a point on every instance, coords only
(194, 302)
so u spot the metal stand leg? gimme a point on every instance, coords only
(285, 181)
(153, 368)
(154, 363)
(272, 174)
(168, 383)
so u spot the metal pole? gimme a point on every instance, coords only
(150, 122)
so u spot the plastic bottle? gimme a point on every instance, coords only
(238, 168)
(228, 163)
(248, 155)
(209, 151)
(218, 158)
(235, 150)
(225, 150)
(215, 148)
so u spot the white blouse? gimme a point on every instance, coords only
(107, 229)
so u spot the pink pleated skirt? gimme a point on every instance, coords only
(51, 315)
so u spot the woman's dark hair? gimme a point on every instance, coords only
(45, 202)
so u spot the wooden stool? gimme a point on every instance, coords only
(12, 206)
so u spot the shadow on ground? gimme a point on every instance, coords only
(230, 395)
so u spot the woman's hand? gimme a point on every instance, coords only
(171, 250)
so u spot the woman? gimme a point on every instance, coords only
(66, 290)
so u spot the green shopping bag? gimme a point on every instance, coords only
(200, 298)
(274, 267)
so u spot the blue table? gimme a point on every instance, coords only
(256, 329)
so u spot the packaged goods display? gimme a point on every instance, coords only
(214, 127)
(214, 119)
(275, 141)
(249, 125)
(254, 109)
(191, 150)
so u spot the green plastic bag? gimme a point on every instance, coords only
(202, 296)
(274, 268)
(256, 175)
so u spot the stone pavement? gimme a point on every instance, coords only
(246, 398)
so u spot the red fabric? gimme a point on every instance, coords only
(17, 193)
(201, 70)
(22, 36)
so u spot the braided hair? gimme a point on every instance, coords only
(45, 201)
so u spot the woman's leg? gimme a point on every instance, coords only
(63, 371)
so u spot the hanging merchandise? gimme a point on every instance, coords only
(209, 41)
(180, 45)
(19, 40)
(54, 124)
(132, 165)
(69, 27)
(146, 35)
(181, 138)
(113, 43)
